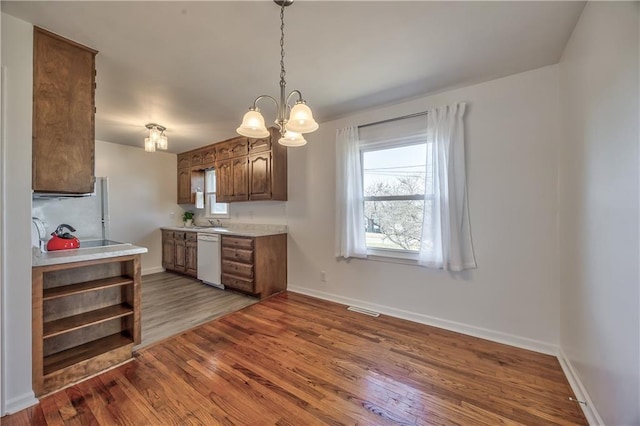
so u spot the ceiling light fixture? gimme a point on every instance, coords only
(156, 138)
(300, 118)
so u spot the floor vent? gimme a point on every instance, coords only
(363, 311)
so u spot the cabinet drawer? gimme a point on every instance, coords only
(237, 255)
(179, 235)
(167, 235)
(238, 283)
(235, 268)
(192, 236)
(240, 242)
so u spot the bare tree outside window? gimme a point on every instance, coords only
(394, 196)
(398, 222)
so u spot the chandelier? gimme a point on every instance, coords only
(156, 138)
(300, 119)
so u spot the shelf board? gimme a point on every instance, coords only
(68, 290)
(75, 322)
(69, 357)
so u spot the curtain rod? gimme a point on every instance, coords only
(388, 120)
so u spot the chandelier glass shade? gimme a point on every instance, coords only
(157, 138)
(300, 118)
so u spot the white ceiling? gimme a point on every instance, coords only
(195, 67)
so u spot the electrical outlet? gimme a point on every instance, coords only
(323, 276)
(172, 216)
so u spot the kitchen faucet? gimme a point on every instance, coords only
(215, 222)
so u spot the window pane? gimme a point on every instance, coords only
(216, 208)
(210, 181)
(395, 225)
(395, 171)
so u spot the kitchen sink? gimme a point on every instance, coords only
(210, 228)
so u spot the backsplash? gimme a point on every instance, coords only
(85, 214)
(257, 212)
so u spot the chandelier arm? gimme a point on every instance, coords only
(294, 92)
(262, 97)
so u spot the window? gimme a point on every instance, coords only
(394, 183)
(397, 183)
(401, 190)
(212, 208)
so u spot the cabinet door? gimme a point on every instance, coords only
(260, 176)
(63, 115)
(168, 254)
(184, 186)
(224, 181)
(180, 260)
(196, 158)
(259, 145)
(240, 167)
(184, 161)
(191, 261)
(208, 157)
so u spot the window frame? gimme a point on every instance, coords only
(207, 194)
(392, 255)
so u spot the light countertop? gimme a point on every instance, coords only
(239, 229)
(79, 255)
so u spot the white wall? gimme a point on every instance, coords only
(16, 318)
(511, 137)
(142, 194)
(599, 187)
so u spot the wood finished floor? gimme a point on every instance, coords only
(295, 360)
(172, 303)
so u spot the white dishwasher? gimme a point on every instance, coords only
(209, 259)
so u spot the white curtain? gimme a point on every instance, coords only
(350, 235)
(446, 235)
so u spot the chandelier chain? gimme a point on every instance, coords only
(282, 71)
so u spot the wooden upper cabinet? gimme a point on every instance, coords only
(240, 171)
(260, 145)
(196, 158)
(184, 161)
(63, 148)
(224, 181)
(246, 169)
(232, 180)
(232, 148)
(208, 157)
(260, 176)
(184, 186)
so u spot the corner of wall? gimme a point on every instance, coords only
(579, 391)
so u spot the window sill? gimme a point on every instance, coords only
(393, 256)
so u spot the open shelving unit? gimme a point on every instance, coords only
(86, 318)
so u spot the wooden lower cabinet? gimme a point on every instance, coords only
(191, 254)
(180, 256)
(255, 265)
(180, 252)
(85, 319)
(168, 250)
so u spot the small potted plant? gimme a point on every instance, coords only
(187, 218)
